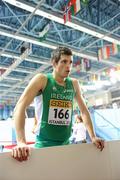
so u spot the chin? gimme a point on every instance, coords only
(66, 75)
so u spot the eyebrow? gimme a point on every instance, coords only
(66, 60)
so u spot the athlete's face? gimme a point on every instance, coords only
(64, 65)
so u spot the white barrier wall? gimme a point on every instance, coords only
(70, 162)
(6, 131)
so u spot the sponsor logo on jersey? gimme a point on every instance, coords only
(54, 88)
(68, 91)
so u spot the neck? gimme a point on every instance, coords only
(59, 79)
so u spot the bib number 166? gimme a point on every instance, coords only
(61, 113)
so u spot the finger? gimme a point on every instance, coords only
(28, 151)
(22, 154)
(21, 157)
(101, 145)
(15, 154)
(19, 151)
(25, 153)
(97, 144)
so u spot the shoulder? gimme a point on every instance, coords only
(40, 76)
(39, 80)
(76, 85)
(75, 82)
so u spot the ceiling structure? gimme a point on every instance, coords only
(97, 24)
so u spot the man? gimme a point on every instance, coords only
(55, 93)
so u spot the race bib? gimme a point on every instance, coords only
(60, 112)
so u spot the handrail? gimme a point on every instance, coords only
(107, 121)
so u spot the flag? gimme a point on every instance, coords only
(74, 6)
(87, 64)
(115, 48)
(77, 5)
(67, 14)
(82, 66)
(44, 32)
(106, 52)
(100, 54)
(2, 71)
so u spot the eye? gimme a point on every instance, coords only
(64, 61)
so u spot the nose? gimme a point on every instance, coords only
(69, 66)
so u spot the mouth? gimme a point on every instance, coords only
(68, 71)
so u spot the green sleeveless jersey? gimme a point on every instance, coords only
(54, 109)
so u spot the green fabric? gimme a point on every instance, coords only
(72, 10)
(56, 120)
(40, 143)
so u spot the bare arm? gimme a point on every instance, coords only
(36, 84)
(83, 109)
(86, 116)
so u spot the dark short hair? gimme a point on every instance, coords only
(56, 54)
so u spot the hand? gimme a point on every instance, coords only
(99, 143)
(21, 152)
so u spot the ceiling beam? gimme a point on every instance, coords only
(26, 79)
(36, 41)
(58, 17)
(91, 56)
(33, 59)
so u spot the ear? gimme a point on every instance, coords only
(54, 63)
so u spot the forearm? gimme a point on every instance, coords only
(20, 136)
(19, 119)
(88, 124)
